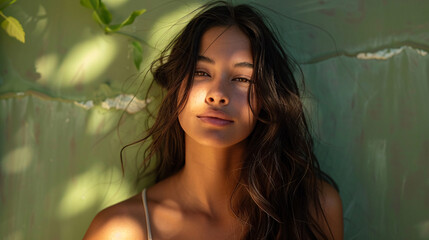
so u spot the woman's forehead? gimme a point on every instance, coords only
(226, 43)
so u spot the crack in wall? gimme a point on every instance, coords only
(126, 102)
(382, 53)
(388, 53)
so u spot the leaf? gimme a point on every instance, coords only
(97, 18)
(128, 21)
(95, 4)
(6, 3)
(133, 16)
(13, 28)
(113, 28)
(104, 14)
(86, 3)
(137, 53)
(91, 4)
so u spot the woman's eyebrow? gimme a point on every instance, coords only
(211, 61)
(205, 59)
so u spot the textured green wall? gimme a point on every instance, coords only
(63, 92)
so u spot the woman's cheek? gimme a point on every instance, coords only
(198, 94)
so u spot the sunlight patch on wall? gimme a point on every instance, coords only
(17, 160)
(85, 62)
(169, 25)
(100, 121)
(114, 3)
(90, 188)
(80, 193)
(165, 28)
(47, 65)
(424, 229)
(17, 235)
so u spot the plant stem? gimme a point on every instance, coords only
(129, 35)
(134, 38)
(4, 16)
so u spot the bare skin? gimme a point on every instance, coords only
(195, 202)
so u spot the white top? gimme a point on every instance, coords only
(146, 211)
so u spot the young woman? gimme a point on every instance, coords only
(233, 151)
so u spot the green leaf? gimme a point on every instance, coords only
(137, 53)
(128, 21)
(85, 3)
(133, 16)
(13, 28)
(6, 3)
(104, 14)
(112, 28)
(97, 18)
(91, 4)
(95, 4)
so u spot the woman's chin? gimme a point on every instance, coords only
(215, 141)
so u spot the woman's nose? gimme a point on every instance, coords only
(217, 95)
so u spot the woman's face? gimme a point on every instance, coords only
(217, 112)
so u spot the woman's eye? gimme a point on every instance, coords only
(244, 80)
(201, 73)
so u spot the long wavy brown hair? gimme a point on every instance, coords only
(280, 178)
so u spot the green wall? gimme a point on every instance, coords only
(63, 92)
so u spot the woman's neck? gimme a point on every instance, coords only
(209, 177)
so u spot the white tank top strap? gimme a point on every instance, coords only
(146, 211)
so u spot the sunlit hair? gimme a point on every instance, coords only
(277, 196)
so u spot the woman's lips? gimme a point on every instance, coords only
(215, 121)
(215, 118)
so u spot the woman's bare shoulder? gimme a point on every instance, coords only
(331, 204)
(124, 220)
